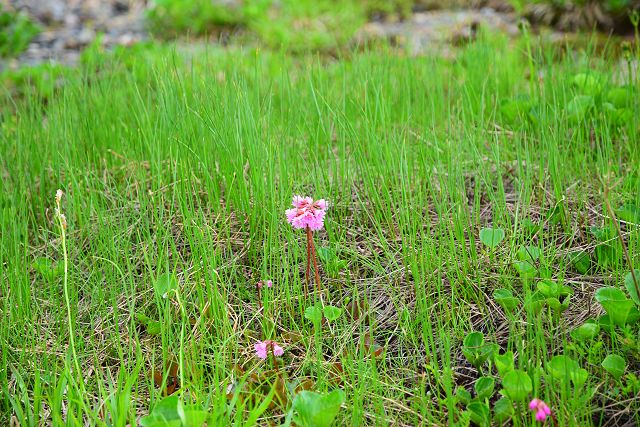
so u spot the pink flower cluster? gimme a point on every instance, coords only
(263, 349)
(541, 409)
(267, 283)
(307, 213)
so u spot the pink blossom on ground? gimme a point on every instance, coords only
(263, 348)
(541, 409)
(267, 283)
(307, 213)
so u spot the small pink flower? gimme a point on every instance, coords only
(263, 348)
(307, 213)
(541, 409)
(267, 283)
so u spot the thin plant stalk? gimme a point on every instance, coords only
(259, 297)
(624, 246)
(62, 224)
(311, 255)
(308, 270)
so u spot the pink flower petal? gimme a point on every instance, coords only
(307, 213)
(277, 350)
(261, 349)
(533, 405)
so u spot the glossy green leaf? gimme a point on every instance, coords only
(588, 83)
(548, 288)
(528, 253)
(615, 303)
(579, 108)
(171, 412)
(608, 256)
(517, 385)
(586, 331)
(476, 350)
(154, 327)
(634, 316)
(317, 410)
(534, 302)
(484, 387)
(314, 313)
(504, 363)
(565, 369)
(480, 413)
(332, 313)
(620, 96)
(491, 237)
(463, 395)
(326, 254)
(164, 284)
(615, 365)
(526, 269)
(529, 227)
(503, 410)
(505, 298)
(515, 109)
(631, 286)
(581, 261)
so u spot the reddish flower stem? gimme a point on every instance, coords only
(315, 265)
(259, 298)
(308, 271)
(311, 255)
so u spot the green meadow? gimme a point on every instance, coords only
(477, 251)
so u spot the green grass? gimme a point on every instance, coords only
(16, 32)
(184, 165)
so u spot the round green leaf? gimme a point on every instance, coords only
(620, 96)
(314, 313)
(548, 288)
(579, 108)
(165, 284)
(586, 331)
(526, 269)
(631, 286)
(171, 412)
(463, 395)
(634, 316)
(565, 369)
(505, 298)
(615, 365)
(504, 363)
(154, 327)
(503, 410)
(588, 83)
(491, 236)
(473, 339)
(318, 410)
(517, 385)
(479, 413)
(615, 303)
(581, 261)
(528, 253)
(484, 387)
(332, 313)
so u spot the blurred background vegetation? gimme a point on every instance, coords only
(325, 26)
(300, 25)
